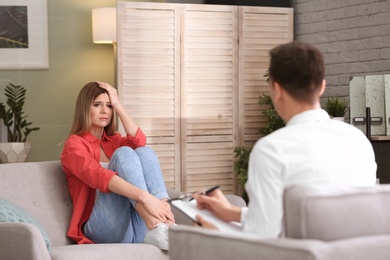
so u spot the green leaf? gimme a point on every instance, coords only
(241, 153)
(14, 118)
(336, 107)
(274, 121)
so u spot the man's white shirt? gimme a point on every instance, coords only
(311, 149)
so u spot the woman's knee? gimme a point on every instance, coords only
(124, 151)
(145, 152)
(143, 149)
(122, 157)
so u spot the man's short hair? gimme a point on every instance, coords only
(299, 69)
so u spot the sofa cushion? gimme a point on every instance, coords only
(108, 251)
(41, 189)
(334, 213)
(9, 212)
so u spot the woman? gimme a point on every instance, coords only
(124, 202)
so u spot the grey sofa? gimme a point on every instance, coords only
(40, 189)
(319, 223)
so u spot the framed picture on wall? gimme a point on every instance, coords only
(23, 35)
(274, 3)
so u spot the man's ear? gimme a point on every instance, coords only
(323, 86)
(277, 91)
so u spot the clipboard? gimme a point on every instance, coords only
(190, 209)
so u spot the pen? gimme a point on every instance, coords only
(208, 191)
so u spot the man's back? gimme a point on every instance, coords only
(311, 149)
(317, 149)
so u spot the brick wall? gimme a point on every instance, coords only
(354, 36)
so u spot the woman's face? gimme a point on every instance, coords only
(101, 111)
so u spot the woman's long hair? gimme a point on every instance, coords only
(82, 120)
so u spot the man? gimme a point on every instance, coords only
(311, 149)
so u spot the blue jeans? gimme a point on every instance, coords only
(114, 218)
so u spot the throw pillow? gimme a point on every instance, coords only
(9, 212)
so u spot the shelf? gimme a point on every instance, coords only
(380, 138)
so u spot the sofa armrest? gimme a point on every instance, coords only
(22, 241)
(194, 243)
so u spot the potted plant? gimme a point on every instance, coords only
(18, 128)
(336, 107)
(241, 153)
(274, 121)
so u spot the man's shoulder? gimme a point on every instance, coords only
(276, 139)
(280, 134)
(300, 135)
(347, 129)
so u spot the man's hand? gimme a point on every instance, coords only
(204, 223)
(217, 203)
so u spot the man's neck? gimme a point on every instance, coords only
(299, 107)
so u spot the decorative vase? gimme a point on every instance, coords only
(14, 152)
(342, 119)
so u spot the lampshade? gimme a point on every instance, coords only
(104, 25)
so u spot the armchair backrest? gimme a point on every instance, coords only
(334, 213)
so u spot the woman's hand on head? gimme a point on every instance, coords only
(112, 93)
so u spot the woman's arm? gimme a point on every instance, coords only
(155, 207)
(78, 160)
(128, 123)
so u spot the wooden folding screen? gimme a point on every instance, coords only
(209, 95)
(260, 29)
(149, 77)
(179, 78)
